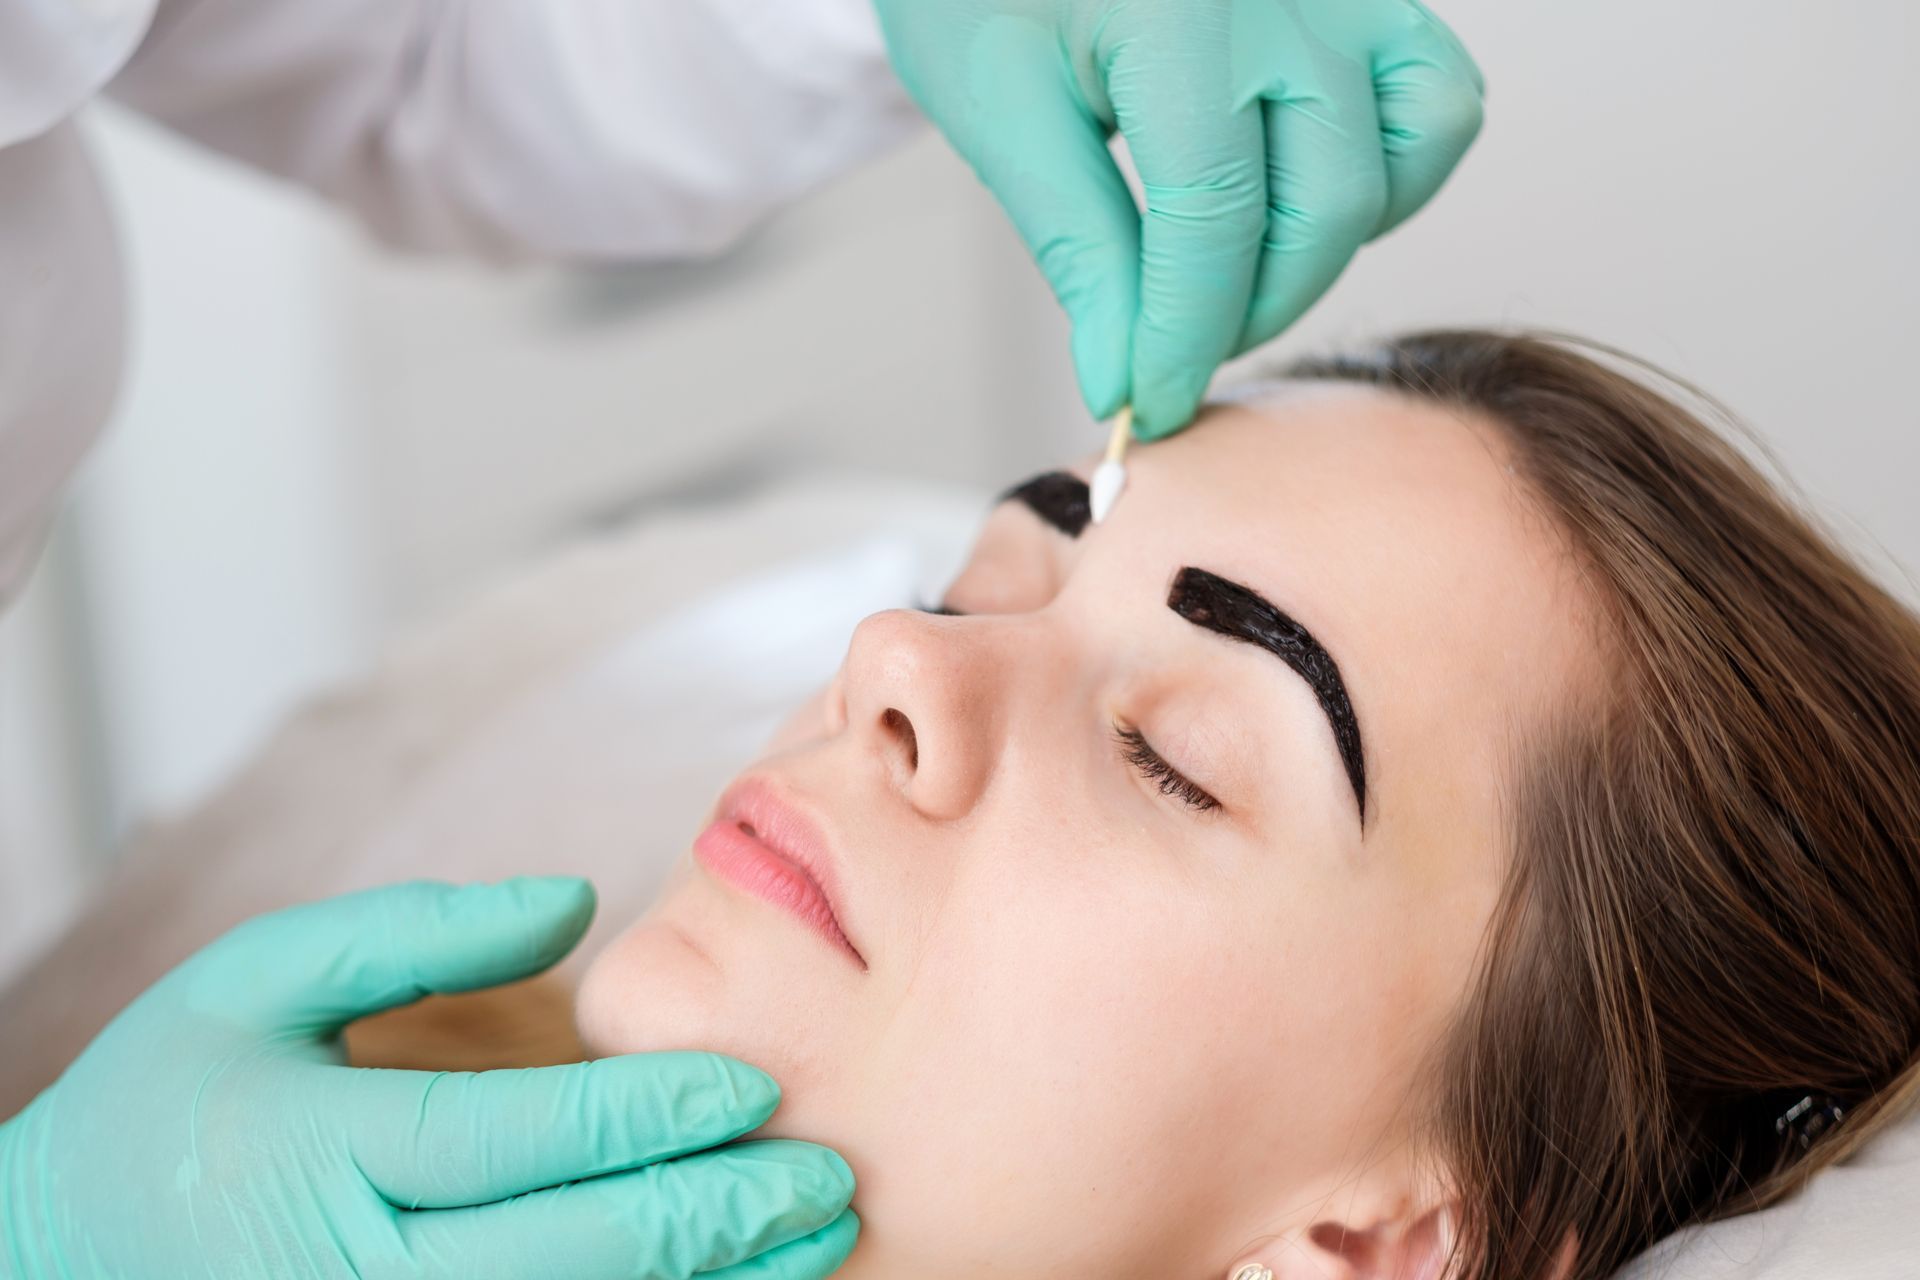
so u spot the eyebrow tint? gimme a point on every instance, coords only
(1210, 601)
(1058, 497)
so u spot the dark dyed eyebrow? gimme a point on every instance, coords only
(1058, 497)
(1211, 601)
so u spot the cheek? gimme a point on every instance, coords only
(1075, 1037)
(1347, 989)
(1169, 1054)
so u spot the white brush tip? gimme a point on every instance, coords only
(1109, 478)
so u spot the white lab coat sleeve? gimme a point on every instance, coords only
(571, 129)
(55, 54)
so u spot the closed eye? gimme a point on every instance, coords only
(1155, 768)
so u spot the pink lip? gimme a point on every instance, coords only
(763, 846)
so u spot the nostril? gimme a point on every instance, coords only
(896, 723)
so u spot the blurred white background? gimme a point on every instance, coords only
(320, 446)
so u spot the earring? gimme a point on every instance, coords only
(1253, 1271)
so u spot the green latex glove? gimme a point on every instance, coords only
(1273, 138)
(213, 1131)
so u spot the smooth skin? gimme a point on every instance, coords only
(1101, 1033)
(213, 1129)
(1272, 139)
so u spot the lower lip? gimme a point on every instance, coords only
(734, 854)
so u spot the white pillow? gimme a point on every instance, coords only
(1859, 1220)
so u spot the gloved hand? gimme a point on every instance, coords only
(1273, 138)
(212, 1130)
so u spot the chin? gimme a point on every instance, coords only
(702, 973)
(653, 989)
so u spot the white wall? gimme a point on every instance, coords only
(1730, 190)
(206, 572)
(51, 840)
(217, 528)
(320, 446)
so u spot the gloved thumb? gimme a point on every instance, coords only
(314, 968)
(1045, 158)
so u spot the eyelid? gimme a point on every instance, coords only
(1147, 761)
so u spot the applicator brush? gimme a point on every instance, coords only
(1110, 477)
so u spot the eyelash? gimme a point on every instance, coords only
(1156, 769)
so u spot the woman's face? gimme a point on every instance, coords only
(1105, 1012)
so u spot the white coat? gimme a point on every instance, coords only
(564, 129)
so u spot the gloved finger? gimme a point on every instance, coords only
(1202, 165)
(696, 1214)
(1045, 159)
(1429, 94)
(1326, 190)
(811, 1257)
(439, 1141)
(316, 967)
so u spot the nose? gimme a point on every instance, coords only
(922, 695)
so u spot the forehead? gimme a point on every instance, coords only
(1399, 533)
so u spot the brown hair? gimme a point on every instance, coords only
(1713, 906)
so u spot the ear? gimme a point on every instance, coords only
(1418, 1248)
(1416, 1244)
(1415, 1247)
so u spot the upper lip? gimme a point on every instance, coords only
(781, 823)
